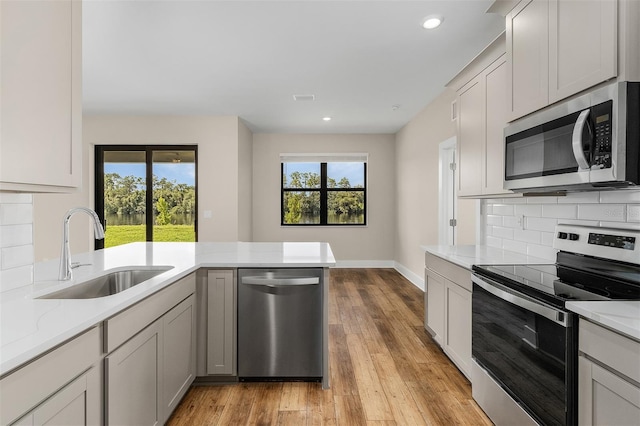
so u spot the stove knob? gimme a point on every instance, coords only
(574, 237)
(562, 235)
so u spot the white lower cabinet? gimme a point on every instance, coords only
(74, 405)
(435, 305)
(221, 323)
(134, 380)
(448, 309)
(150, 372)
(458, 326)
(179, 357)
(217, 325)
(62, 387)
(608, 377)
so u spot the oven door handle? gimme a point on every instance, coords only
(502, 292)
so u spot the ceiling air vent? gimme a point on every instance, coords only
(304, 97)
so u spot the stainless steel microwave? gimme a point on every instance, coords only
(588, 142)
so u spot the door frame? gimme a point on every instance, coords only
(148, 149)
(447, 192)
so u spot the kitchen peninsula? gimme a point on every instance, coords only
(34, 328)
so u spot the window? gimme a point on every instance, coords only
(146, 193)
(323, 189)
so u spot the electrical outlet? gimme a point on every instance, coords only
(520, 221)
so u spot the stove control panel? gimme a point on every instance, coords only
(616, 241)
(607, 243)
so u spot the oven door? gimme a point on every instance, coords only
(528, 348)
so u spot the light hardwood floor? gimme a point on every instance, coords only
(385, 369)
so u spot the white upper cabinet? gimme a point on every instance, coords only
(496, 119)
(41, 91)
(582, 45)
(482, 115)
(527, 57)
(557, 48)
(471, 128)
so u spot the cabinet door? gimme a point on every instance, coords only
(458, 326)
(221, 323)
(134, 380)
(604, 398)
(179, 360)
(470, 143)
(436, 305)
(496, 115)
(78, 403)
(41, 90)
(582, 45)
(528, 57)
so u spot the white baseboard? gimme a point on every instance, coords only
(415, 279)
(365, 264)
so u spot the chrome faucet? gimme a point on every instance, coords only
(65, 256)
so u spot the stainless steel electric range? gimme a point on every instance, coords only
(524, 339)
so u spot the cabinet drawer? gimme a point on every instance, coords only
(33, 383)
(610, 348)
(450, 271)
(127, 324)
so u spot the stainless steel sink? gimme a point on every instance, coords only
(108, 284)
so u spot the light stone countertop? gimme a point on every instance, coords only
(29, 327)
(619, 315)
(468, 255)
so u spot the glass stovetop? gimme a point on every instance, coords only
(557, 284)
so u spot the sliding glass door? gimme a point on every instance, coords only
(146, 193)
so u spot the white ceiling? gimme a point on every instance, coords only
(248, 58)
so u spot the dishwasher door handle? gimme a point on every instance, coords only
(280, 282)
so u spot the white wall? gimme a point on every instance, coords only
(220, 140)
(614, 209)
(354, 246)
(417, 146)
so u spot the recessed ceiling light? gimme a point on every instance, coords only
(432, 21)
(327, 118)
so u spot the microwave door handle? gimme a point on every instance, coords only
(576, 140)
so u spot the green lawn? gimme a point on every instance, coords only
(116, 235)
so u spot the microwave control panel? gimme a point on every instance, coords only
(602, 115)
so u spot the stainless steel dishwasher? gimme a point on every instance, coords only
(280, 324)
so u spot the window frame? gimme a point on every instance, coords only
(148, 150)
(324, 191)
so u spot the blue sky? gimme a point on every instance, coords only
(352, 171)
(178, 172)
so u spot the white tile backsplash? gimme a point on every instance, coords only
(16, 240)
(16, 235)
(608, 212)
(560, 211)
(14, 257)
(616, 209)
(529, 210)
(16, 214)
(540, 224)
